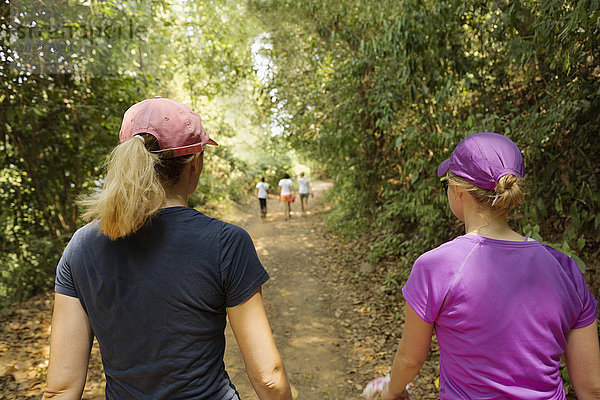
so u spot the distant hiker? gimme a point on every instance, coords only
(505, 308)
(304, 191)
(155, 281)
(262, 194)
(286, 194)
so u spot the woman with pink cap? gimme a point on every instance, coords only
(505, 308)
(154, 280)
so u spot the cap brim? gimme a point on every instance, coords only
(443, 168)
(184, 150)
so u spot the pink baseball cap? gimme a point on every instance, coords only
(175, 126)
(483, 158)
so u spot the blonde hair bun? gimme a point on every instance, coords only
(508, 193)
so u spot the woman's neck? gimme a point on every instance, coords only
(176, 196)
(490, 226)
(175, 202)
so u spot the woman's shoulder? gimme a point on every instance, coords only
(89, 230)
(83, 237)
(230, 233)
(448, 253)
(567, 263)
(196, 221)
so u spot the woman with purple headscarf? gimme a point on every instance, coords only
(505, 308)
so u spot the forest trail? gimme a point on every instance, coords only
(333, 320)
(304, 327)
(321, 321)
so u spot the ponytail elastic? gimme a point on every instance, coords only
(140, 137)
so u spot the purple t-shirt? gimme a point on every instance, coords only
(501, 311)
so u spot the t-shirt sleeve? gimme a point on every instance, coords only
(428, 284)
(589, 305)
(241, 270)
(63, 282)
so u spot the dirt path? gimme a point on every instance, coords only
(334, 321)
(305, 328)
(307, 304)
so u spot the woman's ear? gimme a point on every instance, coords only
(195, 168)
(198, 163)
(457, 191)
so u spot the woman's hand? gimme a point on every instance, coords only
(386, 395)
(379, 388)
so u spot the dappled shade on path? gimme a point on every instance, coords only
(306, 332)
(333, 324)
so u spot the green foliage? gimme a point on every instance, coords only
(57, 128)
(60, 114)
(373, 93)
(381, 91)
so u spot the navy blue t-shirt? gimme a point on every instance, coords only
(157, 301)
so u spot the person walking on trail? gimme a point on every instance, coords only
(504, 307)
(262, 194)
(304, 191)
(155, 281)
(286, 194)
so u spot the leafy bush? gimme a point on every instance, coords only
(383, 90)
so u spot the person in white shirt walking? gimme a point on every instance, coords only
(304, 190)
(286, 194)
(262, 194)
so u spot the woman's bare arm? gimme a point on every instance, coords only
(411, 354)
(583, 361)
(263, 362)
(70, 345)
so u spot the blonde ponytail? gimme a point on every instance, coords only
(132, 192)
